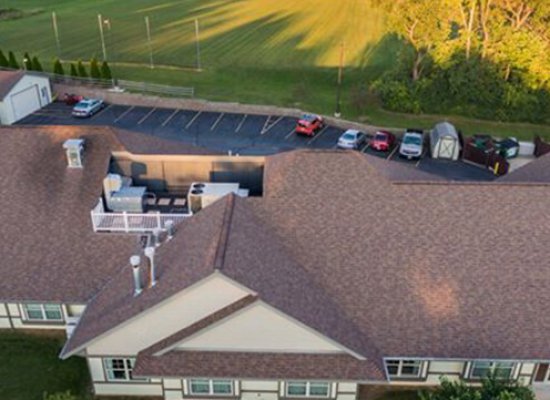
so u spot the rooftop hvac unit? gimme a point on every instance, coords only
(121, 196)
(201, 195)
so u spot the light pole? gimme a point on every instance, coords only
(338, 113)
(107, 23)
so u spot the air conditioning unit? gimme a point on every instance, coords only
(203, 194)
(121, 196)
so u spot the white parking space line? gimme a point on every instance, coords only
(266, 129)
(170, 117)
(238, 128)
(217, 122)
(123, 114)
(193, 119)
(365, 148)
(290, 133)
(317, 136)
(393, 152)
(265, 124)
(421, 157)
(147, 115)
(106, 107)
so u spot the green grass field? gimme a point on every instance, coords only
(282, 52)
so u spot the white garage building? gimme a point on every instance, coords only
(21, 94)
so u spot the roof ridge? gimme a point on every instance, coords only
(221, 245)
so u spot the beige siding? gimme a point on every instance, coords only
(259, 396)
(95, 366)
(527, 368)
(348, 387)
(259, 386)
(127, 389)
(345, 396)
(173, 395)
(14, 309)
(174, 314)
(3, 310)
(173, 384)
(5, 323)
(75, 310)
(447, 367)
(259, 328)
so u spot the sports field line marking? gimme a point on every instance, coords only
(241, 123)
(317, 136)
(272, 125)
(215, 124)
(193, 119)
(290, 133)
(123, 114)
(147, 115)
(392, 152)
(170, 117)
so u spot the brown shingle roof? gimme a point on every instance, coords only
(537, 171)
(239, 365)
(8, 79)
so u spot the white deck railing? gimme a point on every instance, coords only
(127, 222)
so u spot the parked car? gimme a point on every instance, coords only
(352, 139)
(87, 107)
(71, 99)
(412, 144)
(309, 124)
(382, 141)
(508, 148)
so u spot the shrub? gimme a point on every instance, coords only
(3, 60)
(74, 72)
(81, 69)
(491, 389)
(95, 73)
(58, 67)
(12, 61)
(106, 71)
(60, 396)
(27, 61)
(36, 66)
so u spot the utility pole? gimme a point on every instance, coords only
(338, 113)
(148, 28)
(56, 34)
(100, 23)
(198, 46)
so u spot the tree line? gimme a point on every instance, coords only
(78, 70)
(481, 58)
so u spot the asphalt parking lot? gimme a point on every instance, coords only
(244, 134)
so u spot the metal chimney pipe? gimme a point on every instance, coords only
(134, 262)
(156, 233)
(150, 254)
(169, 225)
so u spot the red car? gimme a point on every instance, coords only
(383, 141)
(71, 99)
(309, 124)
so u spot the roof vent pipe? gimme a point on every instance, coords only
(156, 233)
(135, 261)
(150, 254)
(169, 225)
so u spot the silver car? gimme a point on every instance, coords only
(412, 145)
(87, 107)
(352, 139)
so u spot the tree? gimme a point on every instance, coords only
(27, 61)
(424, 25)
(36, 66)
(74, 72)
(3, 60)
(95, 73)
(81, 69)
(58, 67)
(12, 61)
(106, 71)
(60, 396)
(492, 388)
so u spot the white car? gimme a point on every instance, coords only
(412, 144)
(87, 107)
(352, 139)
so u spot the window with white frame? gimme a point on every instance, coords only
(42, 312)
(211, 387)
(307, 389)
(498, 369)
(404, 368)
(119, 369)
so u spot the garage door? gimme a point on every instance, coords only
(25, 102)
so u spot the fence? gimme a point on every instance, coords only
(488, 158)
(541, 147)
(145, 87)
(131, 222)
